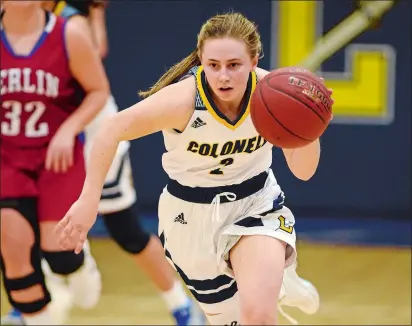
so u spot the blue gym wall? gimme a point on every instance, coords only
(365, 169)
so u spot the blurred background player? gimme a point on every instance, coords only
(118, 201)
(45, 106)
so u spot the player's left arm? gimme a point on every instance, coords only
(88, 70)
(302, 161)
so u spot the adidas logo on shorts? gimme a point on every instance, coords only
(180, 219)
(198, 123)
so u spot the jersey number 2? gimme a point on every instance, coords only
(225, 162)
(32, 128)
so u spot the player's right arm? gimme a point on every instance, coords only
(170, 108)
(304, 161)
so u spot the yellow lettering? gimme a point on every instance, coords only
(282, 225)
(364, 93)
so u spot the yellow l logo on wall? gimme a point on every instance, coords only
(365, 92)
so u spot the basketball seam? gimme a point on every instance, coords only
(295, 98)
(324, 88)
(287, 129)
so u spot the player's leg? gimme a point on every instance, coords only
(265, 243)
(269, 252)
(118, 209)
(20, 261)
(82, 275)
(20, 239)
(258, 262)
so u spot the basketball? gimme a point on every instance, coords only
(291, 107)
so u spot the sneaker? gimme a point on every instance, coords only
(60, 307)
(14, 317)
(62, 300)
(297, 292)
(86, 283)
(190, 314)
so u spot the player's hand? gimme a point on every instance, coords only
(73, 228)
(59, 157)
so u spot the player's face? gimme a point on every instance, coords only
(227, 65)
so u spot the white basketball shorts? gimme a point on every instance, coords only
(199, 226)
(118, 192)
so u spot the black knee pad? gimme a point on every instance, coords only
(27, 207)
(64, 262)
(16, 284)
(125, 229)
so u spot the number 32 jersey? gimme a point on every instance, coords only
(38, 91)
(212, 150)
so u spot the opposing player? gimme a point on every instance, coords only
(118, 201)
(52, 85)
(223, 222)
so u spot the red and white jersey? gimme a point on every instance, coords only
(38, 91)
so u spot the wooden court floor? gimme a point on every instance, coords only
(357, 285)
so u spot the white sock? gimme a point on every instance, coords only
(43, 317)
(176, 297)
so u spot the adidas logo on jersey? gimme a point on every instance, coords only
(198, 123)
(180, 219)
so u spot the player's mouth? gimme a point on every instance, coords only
(225, 89)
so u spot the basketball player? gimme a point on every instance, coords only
(118, 202)
(223, 222)
(52, 85)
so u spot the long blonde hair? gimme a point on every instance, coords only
(226, 25)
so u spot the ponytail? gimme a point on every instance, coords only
(173, 73)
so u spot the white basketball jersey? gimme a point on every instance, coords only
(212, 150)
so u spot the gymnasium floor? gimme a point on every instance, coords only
(363, 276)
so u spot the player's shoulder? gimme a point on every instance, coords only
(77, 29)
(182, 92)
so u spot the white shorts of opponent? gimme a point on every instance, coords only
(118, 192)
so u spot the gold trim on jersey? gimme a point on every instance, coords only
(58, 9)
(213, 109)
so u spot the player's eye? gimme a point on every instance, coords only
(213, 65)
(234, 65)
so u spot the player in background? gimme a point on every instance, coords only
(52, 85)
(118, 201)
(222, 218)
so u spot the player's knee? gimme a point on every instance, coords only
(17, 241)
(15, 228)
(64, 262)
(23, 279)
(258, 313)
(126, 230)
(48, 238)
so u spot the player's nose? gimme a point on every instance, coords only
(224, 76)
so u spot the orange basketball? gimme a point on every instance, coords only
(291, 107)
